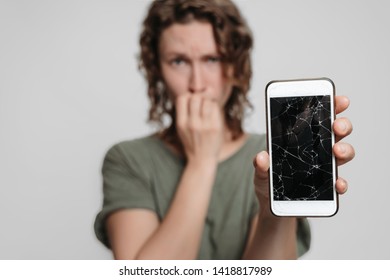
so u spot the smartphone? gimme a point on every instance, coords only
(303, 171)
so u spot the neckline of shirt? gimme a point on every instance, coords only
(182, 161)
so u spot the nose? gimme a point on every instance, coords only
(196, 80)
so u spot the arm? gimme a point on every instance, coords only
(138, 234)
(273, 237)
(270, 237)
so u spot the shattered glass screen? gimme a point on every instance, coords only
(301, 148)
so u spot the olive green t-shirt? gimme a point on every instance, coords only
(144, 173)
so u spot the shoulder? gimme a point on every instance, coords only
(257, 137)
(134, 153)
(138, 143)
(257, 142)
(133, 147)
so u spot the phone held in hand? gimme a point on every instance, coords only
(303, 169)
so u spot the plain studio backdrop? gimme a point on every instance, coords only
(70, 89)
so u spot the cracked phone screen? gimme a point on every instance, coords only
(301, 148)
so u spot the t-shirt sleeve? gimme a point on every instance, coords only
(125, 185)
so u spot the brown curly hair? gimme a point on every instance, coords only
(234, 42)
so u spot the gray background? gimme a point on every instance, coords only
(69, 89)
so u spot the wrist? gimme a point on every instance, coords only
(265, 207)
(202, 162)
(266, 216)
(202, 172)
(202, 167)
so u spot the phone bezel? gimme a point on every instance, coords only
(302, 87)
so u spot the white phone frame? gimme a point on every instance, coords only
(291, 88)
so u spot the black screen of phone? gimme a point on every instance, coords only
(301, 148)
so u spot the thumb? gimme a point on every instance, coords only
(261, 164)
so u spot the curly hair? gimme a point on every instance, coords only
(234, 42)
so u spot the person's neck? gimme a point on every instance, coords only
(230, 146)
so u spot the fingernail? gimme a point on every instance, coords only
(261, 156)
(342, 148)
(345, 185)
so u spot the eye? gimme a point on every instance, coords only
(177, 61)
(213, 59)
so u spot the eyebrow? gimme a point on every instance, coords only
(181, 54)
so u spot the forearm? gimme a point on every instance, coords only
(179, 234)
(273, 238)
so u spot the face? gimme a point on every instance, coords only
(190, 63)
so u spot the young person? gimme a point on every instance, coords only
(198, 188)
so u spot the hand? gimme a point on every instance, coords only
(343, 152)
(199, 124)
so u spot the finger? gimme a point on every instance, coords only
(261, 164)
(194, 106)
(343, 152)
(342, 103)
(216, 116)
(342, 127)
(341, 186)
(182, 109)
(207, 108)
